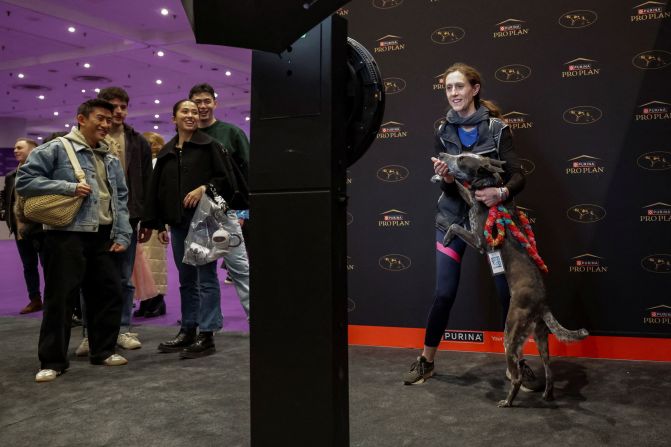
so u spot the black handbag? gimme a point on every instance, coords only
(237, 181)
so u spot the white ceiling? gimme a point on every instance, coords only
(120, 40)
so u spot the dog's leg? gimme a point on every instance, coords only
(515, 337)
(541, 337)
(465, 194)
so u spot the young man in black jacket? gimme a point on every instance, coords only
(235, 141)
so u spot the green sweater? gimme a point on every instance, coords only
(233, 139)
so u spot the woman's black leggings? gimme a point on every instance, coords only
(448, 271)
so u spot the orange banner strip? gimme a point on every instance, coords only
(594, 346)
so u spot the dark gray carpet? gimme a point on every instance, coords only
(158, 400)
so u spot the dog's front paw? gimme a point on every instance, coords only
(548, 396)
(504, 404)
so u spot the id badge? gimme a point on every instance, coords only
(496, 262)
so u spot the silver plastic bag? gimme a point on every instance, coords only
(207, 239)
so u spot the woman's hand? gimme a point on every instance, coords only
(440, 168)
(192, 198)
(489, 196)
(163, 237)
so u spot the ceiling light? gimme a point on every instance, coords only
(87, 65)
(246, 118)
(83, 90)
(41, 97)
(156, 101)
(39, 138)
(228, 73)
(55, 113)
(155, 127)
(21, 75)
(97, 90)
(160, 53)
(67, 125)
(72, 29)
(156, 116)
(216, 95)
(164, 12)
(159, 82)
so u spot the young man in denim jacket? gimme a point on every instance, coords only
(82, 255)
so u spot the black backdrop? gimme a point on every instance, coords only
(586, 86)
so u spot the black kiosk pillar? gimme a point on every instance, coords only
(298, 368)
(299, 379)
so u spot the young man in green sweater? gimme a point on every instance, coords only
(235, 140)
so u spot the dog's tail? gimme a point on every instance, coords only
(560, 331)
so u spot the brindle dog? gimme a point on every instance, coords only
(529, 311)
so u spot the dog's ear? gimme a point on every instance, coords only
(496, 162)
(494, 166)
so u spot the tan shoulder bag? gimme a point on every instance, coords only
(56, 210)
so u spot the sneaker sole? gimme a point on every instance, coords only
(127, 348)
(421, 380)
(44, 379)
(196, 355)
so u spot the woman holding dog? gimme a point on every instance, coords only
(472, 125)
(185, 165)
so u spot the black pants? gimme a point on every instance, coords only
(74, 261)
(31, 253)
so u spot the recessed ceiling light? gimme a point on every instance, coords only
(156, 101)
(41, 97)
(159, 82)
(97, 90)
(228, 73)
(21, 75)
(155, 127)
(39, 138)
(246, 118)
(164, 12)
(156, 116)
(87, 65)
(67, 125)
(216, 95)
(72, 29)
(55, 113)
(160, 53)
(83, 90)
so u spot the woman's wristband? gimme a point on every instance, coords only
(503, 193)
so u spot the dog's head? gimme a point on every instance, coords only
(474, 169)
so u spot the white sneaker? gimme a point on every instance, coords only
(128, 340)
(46, 375)
(115, 360)
(83, 348)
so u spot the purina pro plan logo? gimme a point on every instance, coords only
(587, 263)
(650, 11)
(510, 28)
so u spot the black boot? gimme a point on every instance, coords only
(184, 338)
(155, 307)
(142, 309)
(203, 346)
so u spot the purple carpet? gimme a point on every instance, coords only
(13, 295)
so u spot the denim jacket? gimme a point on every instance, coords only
(48, 171)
